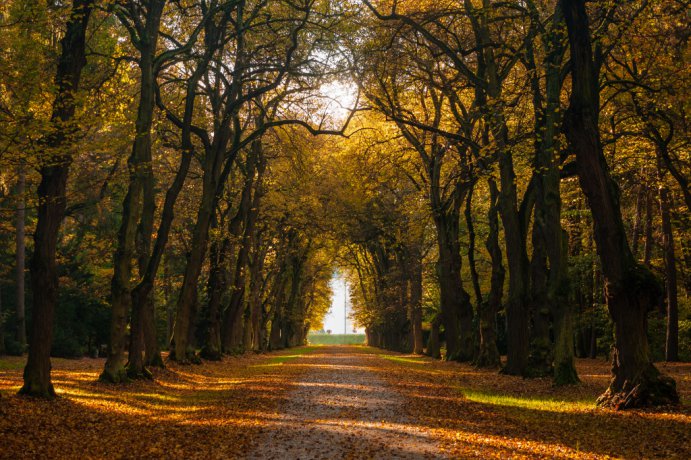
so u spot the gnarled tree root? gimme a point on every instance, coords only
(646, 391)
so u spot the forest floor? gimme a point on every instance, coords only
(332, 402)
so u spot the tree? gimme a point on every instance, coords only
(55, 165)
(631, 289)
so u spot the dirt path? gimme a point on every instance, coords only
(342, 408)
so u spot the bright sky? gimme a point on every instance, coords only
(334, 319)
(339, 98)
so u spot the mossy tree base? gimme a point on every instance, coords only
(138, 373)
(565, 374)
(191, 357)
(156, 361)
(650, 389)
(38, 391)
(539, 361)
(488, 358)
(211, 354)
(116, 376)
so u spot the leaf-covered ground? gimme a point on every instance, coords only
(332, 402)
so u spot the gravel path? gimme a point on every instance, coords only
(341, 408)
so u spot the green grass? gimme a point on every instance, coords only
(533, 403)
(336, 339)
(405, 359)
(294, 353)
(7, 365)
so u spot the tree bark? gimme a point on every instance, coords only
(672, 336)
(20, 255)
(636, 235)
(631, 289)
(216, 288)
(488, 354)
(415, 304)
(649, 241)
(457, 312)
(433, 342)
(52, 201)
(137, 218)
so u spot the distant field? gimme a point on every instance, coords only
(336, 339)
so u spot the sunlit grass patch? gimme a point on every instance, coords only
(528, 402)
(11, 364)
(336, 339)
(419, 360)
(280, 359)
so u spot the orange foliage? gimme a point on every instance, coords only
(334, 402)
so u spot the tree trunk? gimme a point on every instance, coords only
(636, 235)
(488, 355)
(137, 217)
(217, 285)
(255, 294)
(631, 289)
(562, 312)
(233, 323)
(415, 304)
(52, 201)
(649, 241)
(672, 337)
(457, 312)
(541, 357)
(183, 352)
(433, 344)
(20, 255)
(214, 175)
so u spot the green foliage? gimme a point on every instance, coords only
(81, 324)
(13, 347)
(657, 330)
(336, 339)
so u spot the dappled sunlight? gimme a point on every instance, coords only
(387, 404)
(527, 402)
(475, 410)
(506, 445)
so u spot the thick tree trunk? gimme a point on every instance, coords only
(20, 255)
(550, 244)
(489, 99)
(183, 351)
(488, 354)
(214, 175)
(457, 312)
(52, 201)
(233, 321)
(672, 336)
(415, 304)
(649, 240)
(138, 204)
(541, 352)
(433, 344)
(631, 289)
(275, 336)
(217, 286)
(636, 233)
(255, 294)
(562, 312)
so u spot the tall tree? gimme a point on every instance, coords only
(631, 290)
(20, 254)
(137, 216)
(56, 157)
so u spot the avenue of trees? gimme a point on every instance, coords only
(494, 178)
